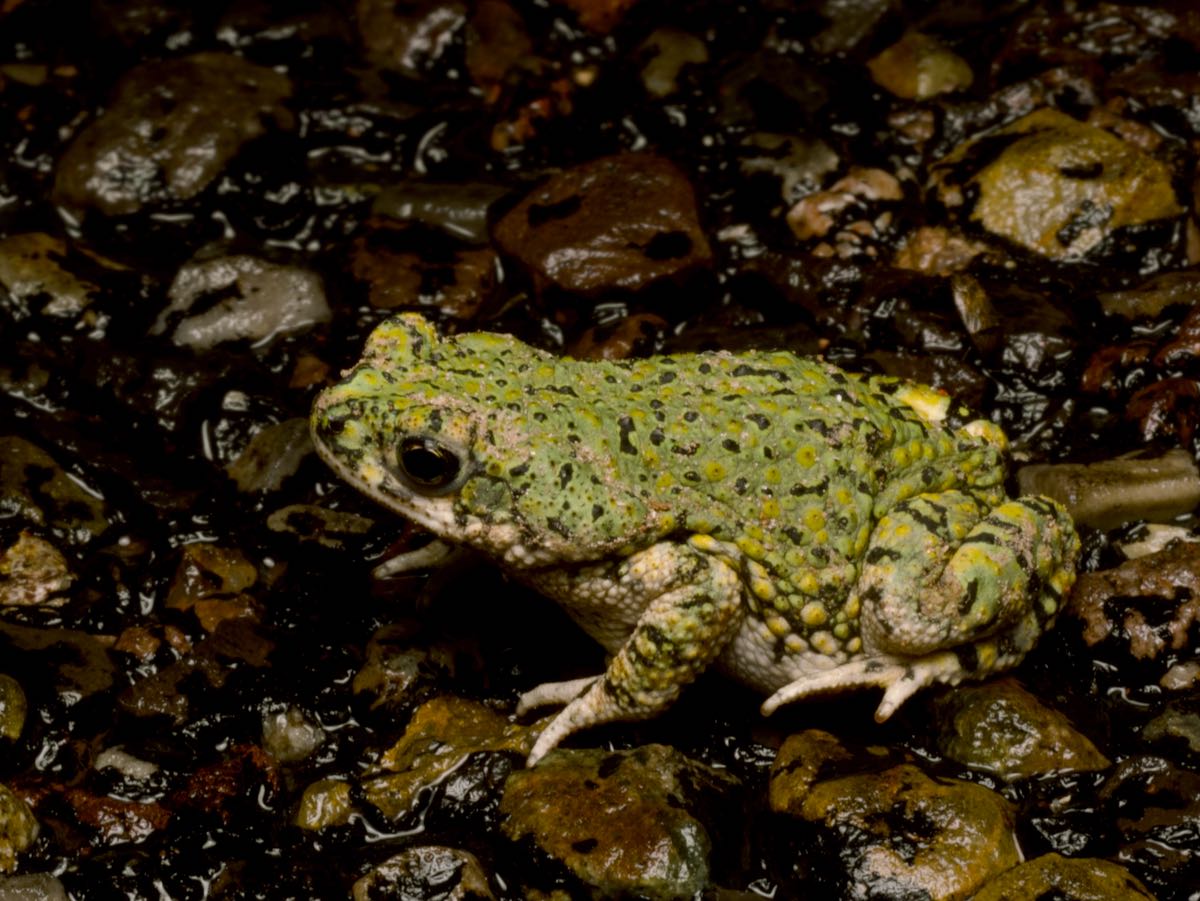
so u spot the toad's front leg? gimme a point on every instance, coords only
(689, 603)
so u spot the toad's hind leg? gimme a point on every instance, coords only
(950, 589)
(691, 603)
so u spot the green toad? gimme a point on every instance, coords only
(805, 529)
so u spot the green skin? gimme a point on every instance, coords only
(805, 529)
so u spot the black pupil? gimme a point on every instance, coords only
(427, 463)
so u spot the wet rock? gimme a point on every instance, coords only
(800, 163)
(615, 223)
(273, 454)
(850, 21)
(601, 16)
(458, 209)
(623, 823)
(966, 831)
(244, 298)
(1001, 728)
(231, 782)
(409, 38)
(12, 708)
(1150, 604)
(1149, 299)
(936, 250)
(431, 871)
(33, 270)
(1155, 806)
(1064, 879)
(918, 67)
(114, 821)
(440, 735)
(327, 802)
(403, 267)
(398, 664)
(1150, 538)
(1112, 492)
(329, 528)
(80, 661)
(212, 581)
(851, 216)
(131, 768)
(171, 128)
(670, 50)
(290, 736)
(636, 335)
(235, 642)
(497, 43)
(1166, 411)
(1060, 187)
(18, 828)
(34, 488)
(1179, 722)
(32, 573)
(32, 887)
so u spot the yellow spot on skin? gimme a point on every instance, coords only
(763, 589)
(778, 625)
(750, 548)
(854, 645)
(772, 476)
(852, 607)
(985, 654)
(809, 583)
(714, 471)
(814, 519)
(823, 643)
(842, 631)
(814, 614)
(843, 497)
(664, 481)
(900, 456)
(807, 455)
(705, 543)
(794, 643)
(769, 509)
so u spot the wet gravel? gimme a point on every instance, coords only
(204, 211)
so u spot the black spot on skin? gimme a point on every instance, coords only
(564, 475)
(759, 420)
(776, 374)
(554, 524)
(573, 438)
(611, 379)
(656, 437)
(692, 476)
(656, 404)
(875, 554)
(769, 453)
(665, 378)
(539, 416)
(435, 420)
(541, 213)
(819, 554)
(519, 470)
(585, 845)
(730, 445)
(820, 426)
(563, 389)
(691, 416)
(794, 535)
(625, 423)
(968, 598)
(799, 490)
(608, 766)
(597, 512)
(684, 450)
(704, 368)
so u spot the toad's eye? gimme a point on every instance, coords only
(429, 467)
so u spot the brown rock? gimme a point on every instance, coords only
(615, 223)
(171, 128)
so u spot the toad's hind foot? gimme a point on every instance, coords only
(900, 678)
(553, 694)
